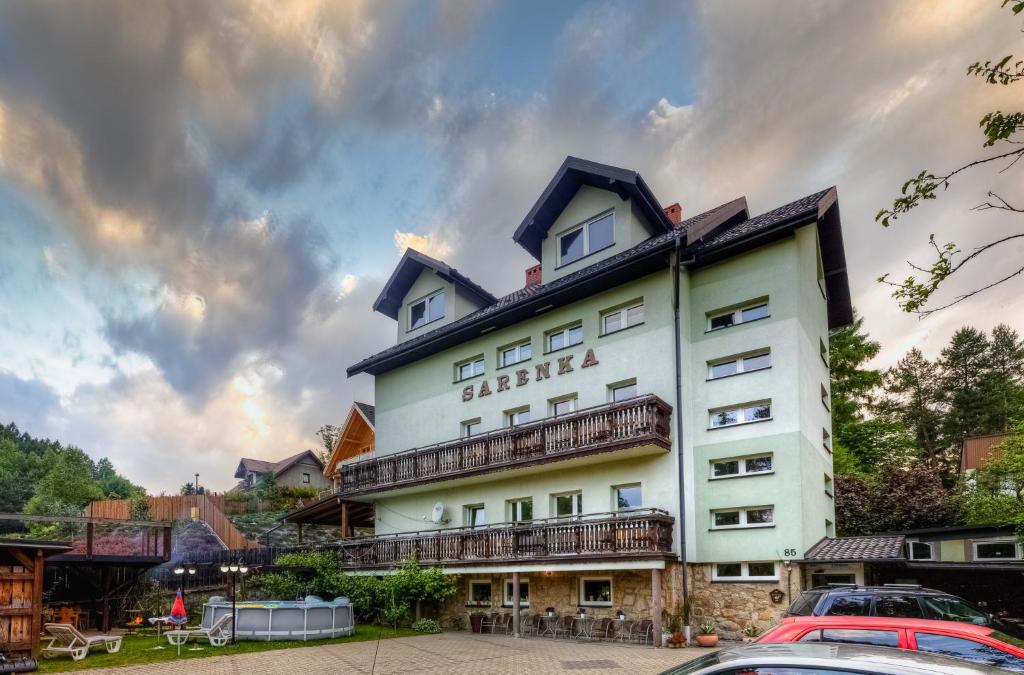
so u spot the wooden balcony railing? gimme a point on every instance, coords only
(631, 535)
(614, 426)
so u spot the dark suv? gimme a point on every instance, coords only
(893, 600)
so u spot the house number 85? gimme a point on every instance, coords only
(789, 552)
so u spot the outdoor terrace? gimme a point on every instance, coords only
(637, 422)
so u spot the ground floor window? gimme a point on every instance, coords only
(568, 504)
(996, 550)
(479, 593)
(596, 591)
(745, 571)
(920, 550)
(524, 593)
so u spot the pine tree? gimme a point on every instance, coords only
(964, 365)
(913, 398)
(1005, 378)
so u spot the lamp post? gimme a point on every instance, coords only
(180, 570)
(235, 568)
(197, 483)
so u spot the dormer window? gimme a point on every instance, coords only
(588, 238)
(430, 308)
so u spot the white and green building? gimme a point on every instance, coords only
(654, 399)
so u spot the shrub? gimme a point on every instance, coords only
(426, 626)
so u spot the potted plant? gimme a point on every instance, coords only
(675, 641)
(475, 618)
(686, 614)
(550, 611)
(706, 636)
(672, 628)
(751, 633)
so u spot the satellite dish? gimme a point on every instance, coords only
(437, 515)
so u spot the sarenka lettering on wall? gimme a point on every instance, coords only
(522, 377)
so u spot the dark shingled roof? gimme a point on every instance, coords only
(855, 549)
(408, 270)
(277, 468)
(368, 412)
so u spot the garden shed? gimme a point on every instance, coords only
(21, 593)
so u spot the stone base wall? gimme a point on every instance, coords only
(732, 606)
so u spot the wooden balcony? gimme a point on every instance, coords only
(614, 426)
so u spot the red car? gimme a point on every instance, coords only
(967, 641)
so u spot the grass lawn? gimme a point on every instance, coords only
(136, 649)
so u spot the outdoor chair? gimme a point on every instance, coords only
(528, 624)
(489, 622)
(218, 635)
(603, 629)
(65, 639)
(504, 624)
(642, 631)
(564, 626)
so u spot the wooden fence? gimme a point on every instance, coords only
(208, 508)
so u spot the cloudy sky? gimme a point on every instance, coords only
(200, 200)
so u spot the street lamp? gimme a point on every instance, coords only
(235, 568)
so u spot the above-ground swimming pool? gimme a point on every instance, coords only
(309, 619)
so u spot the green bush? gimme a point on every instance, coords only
(426, 626)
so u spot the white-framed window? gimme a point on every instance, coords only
(562, 405)
(560, 338)
(920, 550)
(745, 571)
(520, 510)
(615, 320)
(469, 368)
(622, 391)
(821, 273)
(595, 591)
(476, 515)
(826, 440)
(524, 592)
(567, 504)
(479, 593)
(824, 398)
(430, 308)
(743, 414)
(753, 516)
(517, 416)
(734, 365)
(471, 427)
(625, 497)
(305, 478)
(757, 309)
(516, 353)
(830, 528)
(997, 549)
(828, 485)
(590, 237)
(824, 351)
(742, 466)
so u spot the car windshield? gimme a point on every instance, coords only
(949, 608)
(695, 665)
(805, 604)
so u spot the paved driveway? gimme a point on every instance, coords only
(448, 653)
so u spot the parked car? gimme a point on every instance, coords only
(816, 658)
(962, 640)
(895, 600)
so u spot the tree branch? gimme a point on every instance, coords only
(1003, 205)
(961, 298)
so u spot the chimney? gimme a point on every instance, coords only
(532, 276)
(674, 213)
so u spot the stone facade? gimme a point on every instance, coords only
(732, 606)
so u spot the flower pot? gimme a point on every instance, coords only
(474, 622)
(688, 634)
(707, 640)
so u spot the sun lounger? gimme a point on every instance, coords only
(66, 639)
(219, 634)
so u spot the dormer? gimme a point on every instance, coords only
(424, 293)
(589, 212)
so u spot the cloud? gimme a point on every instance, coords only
(430, 244)
(28, 403)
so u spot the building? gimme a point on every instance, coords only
(355, 441)
(654, 397)
(303, 469)
(977, 451)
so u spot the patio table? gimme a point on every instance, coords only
(547, 625)
(622, 627)
(583, 626)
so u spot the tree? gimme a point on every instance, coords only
(266, 486)
(1005, 378)
(999, 130)
(67, 486)
(328, 435)
(994, 494)
(188, 489)
(854, 500)
(964, 365)
(913, 398)
(113, 484)
(901, 496)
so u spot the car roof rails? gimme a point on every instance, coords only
(841, 585)
(902, 586)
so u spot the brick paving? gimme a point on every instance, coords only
(448, 653)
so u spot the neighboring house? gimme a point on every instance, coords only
(977, 451)
(355, 441)
(977, 562)
(303, 469)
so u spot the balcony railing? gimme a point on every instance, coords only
(630, 535)
(614, 426)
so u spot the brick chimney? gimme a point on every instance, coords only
(532, 276)
(674, 213)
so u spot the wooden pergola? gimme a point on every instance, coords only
(22, 565)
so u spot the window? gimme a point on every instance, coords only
(563, 406)
(596, 591)
(850, 605)
(739, 364)
(897, 606)
(565, 337)
(524, 592)
(520, 510)
(952, 608)
(628, 497)
(468, 369)
(568, 504)
(970, 650)
(752, 571)
(735, 518)
(830, 528)
(620, 319)
(805, 603)
(727, 417)
(475, 515)
(996, 550)
(517, 416)
(742, 466)
(824, 397)
(516, 353)
(828, 485)
(586, 239)
(826, 440)
(919, 550)
(479, 593)
(430, 308)
(733, 317)
(622, 392)
(854, 636)
(824, 351)
(305, 478)
(471, 428)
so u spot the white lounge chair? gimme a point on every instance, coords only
(219, 634)
(66, 639)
